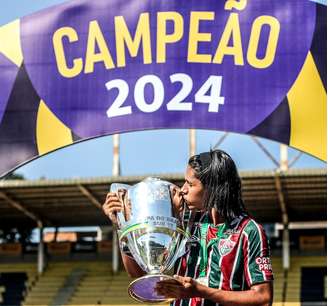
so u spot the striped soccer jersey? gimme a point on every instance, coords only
(238, 259)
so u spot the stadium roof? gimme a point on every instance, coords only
(299, 195)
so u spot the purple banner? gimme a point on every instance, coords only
(7, 79)
(85, 68)
(112, 66)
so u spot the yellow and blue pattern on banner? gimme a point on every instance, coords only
(308, 108)
(48, 132)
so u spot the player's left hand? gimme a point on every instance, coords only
(178, 288)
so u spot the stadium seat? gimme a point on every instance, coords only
(15, 278)
(99, 286)
(293, 293)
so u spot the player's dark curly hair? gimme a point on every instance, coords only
(219, 176)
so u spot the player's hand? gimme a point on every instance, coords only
(113, 205)
(178, 288)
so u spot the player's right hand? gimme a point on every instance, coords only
(112, 206)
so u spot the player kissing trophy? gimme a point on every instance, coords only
(153, 230)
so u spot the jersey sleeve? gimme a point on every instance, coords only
(257, 257)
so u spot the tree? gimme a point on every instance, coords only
(14, 176)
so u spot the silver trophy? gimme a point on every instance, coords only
(153, 231)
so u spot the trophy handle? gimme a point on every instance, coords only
(180, 251)
(115, 187)
(187, 223)
(127, 244)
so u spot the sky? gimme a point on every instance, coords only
(146, 152)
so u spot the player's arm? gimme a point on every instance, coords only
(131, 267)
(186, 287)
(258, 295)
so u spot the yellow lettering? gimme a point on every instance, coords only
(162, 37)
(123, 38)
(96, 38)
(231, 30)
(270, 53)
(235, 4)
(195, 37)
(62, 66)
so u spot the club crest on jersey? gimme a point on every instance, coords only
(226, 246)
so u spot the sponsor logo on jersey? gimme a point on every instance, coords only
(264, 264)
(232, 231)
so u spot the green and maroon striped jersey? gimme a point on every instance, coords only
(238, 259)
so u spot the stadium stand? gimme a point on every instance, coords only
(45, 288)
(97, 285)
(294, 294)
(117, 291)
(93, 285)
(15, 279)
(14, 284)
(60, 281)
(278, 277)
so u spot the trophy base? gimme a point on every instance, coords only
(143, 289)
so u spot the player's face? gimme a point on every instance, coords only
(193, 190)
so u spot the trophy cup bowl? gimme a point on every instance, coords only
(152, 230)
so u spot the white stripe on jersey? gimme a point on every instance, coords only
(209, 270)
(202, 217)
(235, 263)
(195, 273)
(178, 270)
(221, 276)
(187, 258)
(249, 273)
(261, 254)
